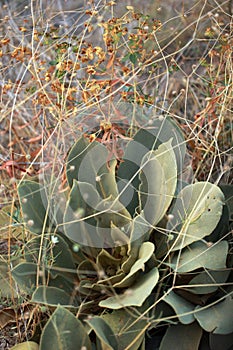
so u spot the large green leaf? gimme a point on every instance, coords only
(155, 192)
(64, 331)
(228, 193)
(108, 263)
(161, 131)
(53, 296)
(104, 332)
(216, 318)
(90, 163)
(138, 232)
(33, 246)
(9, 217)
(128, 328)
(27, 345)
(145, 252)
(120, 238)
(208, 281)
(6, 290)
(55, 247)
(106, 179)
(83, 198)
(221, 341)
(110, 211)
(128, 175)
(85, 210)
(156, 186)
(25, 275)
(195, 214)
(158, 176)
(136, 294)
(182, 337)
(199, 254)
(61, 255)
(64, 281)
(75, 157)
(79, 222)
(87, 269)
(184, 309)
(33, 201)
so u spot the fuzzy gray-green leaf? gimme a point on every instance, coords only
(79, 223)
(52, 296)
(195, 214)
(161, 131)
(216, 318)
(33, 202)
(76, 155)
(27, 345)
(145, 252)
(103, 332)
(208, 281)
(199, 254)
(128, 328)
(158, 182)
(182, 337)
(64, 331)
(184, 309)
(110, 211)
(25, 275)
(88, 162)
(136, 294)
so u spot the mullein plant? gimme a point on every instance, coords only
(130, 251)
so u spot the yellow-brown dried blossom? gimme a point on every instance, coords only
(124, 31)
(90, 69)
(8, 86)
(57, 86)
(124, 95)
(86, 96)
(140, 100)
(111, 3)
(213, 53)
(108, 39)
(100, 54)
(70, 91)
(17, 54)
(89, 27)
(47, 76)
(5, 41)
(157, 25)
(76, 66)
(20, 52)
(110, 50)
(91, 12)
(125, 70)
(142, 32)
(42, 99)
(136, 15)
(88, 53)
(65, 65)
(23, 29)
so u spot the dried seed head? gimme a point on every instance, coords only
(30, 223)
(75, 248)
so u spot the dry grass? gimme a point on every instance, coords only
(65, 67)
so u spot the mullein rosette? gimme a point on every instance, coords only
(127, 235)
